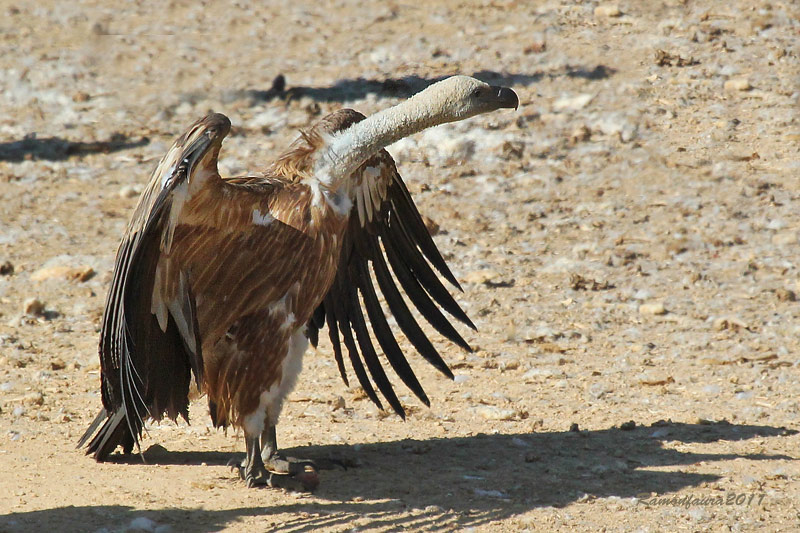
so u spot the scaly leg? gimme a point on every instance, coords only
(284, 469)
(252, 470)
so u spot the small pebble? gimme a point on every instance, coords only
(733, 324)
(784, 238)
(32, 307)
(627, 426)
(338, 403)
(785, 295)
(81, 274)
(572, 103)
(141, 524)
(579, 134)
(495, 413)
(481, 276)
(33, 398)
(6, 268)
(537, 45)
(737, 84)
(431, 225)
(128, 191)
(607, 10)
(656, 308)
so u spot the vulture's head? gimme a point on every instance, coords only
(460, 97)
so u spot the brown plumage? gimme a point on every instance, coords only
(227, 280)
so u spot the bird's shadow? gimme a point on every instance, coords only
(58, 149)
(350, 89)
(453, 483)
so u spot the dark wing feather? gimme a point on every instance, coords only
(394, 232)
(146, 363)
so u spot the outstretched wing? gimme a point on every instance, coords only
(387, 243)
(149, 345)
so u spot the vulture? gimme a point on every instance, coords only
(228, 280)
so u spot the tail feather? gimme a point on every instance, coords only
(114, 432)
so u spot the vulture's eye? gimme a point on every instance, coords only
(477, 91)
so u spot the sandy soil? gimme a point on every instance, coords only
(628, 242)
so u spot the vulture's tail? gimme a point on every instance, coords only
(115, 431)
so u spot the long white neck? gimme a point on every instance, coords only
(349, 149)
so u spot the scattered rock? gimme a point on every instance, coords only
(6, 268)
(737, 84)
(784, 238)
(730, 323)
(141, 524)
(597, 390)
(512, 150)
(531, 457)
(57, 364)
(490, 494)
(580, 134)
(574, 427)
(666, 59)
(655, 382)
(607, 11)
(128, 191)
(33, 398)
(80, 274)
(338, 403)
(572, 103)
(33, 307)
(579, 283)
(538, 44)
(490, 412)
(431, 225)
(481, 276)
(655, 308)
(785, 295)
(627, 426)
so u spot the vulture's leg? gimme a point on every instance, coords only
(252, 471)
(269, 442)
(279, 463)
(286, 469)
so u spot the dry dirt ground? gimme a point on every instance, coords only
(627, 241)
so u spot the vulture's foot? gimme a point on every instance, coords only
(251, 472)
(305, 480)
(291, 470)
(278, 464)
(255, 474)
(289, 474)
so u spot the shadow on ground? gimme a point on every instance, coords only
(359, 88)
(58, 149)
(445, 483)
